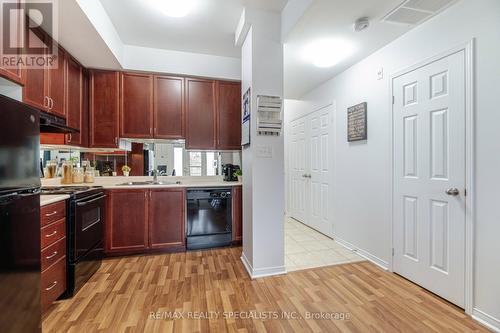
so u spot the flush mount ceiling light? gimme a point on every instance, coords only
(173, 8)
(327, 52)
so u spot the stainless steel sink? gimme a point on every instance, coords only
(149, 183)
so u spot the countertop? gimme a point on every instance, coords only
(50, 199)
(114, 182)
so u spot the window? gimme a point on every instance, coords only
(195, 163)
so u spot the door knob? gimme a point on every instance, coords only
(453, 191)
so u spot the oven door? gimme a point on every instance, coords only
(88, 225)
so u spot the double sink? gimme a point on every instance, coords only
(151, 182)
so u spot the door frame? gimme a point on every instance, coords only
(468, 48)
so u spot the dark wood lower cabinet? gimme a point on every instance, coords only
(144, 220)
(166, 219)
(126, 223)
(237, 214)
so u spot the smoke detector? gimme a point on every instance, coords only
(361, 24)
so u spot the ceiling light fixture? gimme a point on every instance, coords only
(327, 52)
(173, 8)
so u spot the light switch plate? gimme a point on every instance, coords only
(380, 73)
(264, 152)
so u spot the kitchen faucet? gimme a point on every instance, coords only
(155, 175)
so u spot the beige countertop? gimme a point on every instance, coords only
(115, 182)
(50, 199)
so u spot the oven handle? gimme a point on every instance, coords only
(80, 204)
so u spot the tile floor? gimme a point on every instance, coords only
(307, 248)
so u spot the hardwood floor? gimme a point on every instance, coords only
(360, 297)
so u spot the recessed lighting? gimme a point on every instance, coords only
(173, 8)
(327, 52)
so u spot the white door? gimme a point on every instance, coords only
(318, 177)
(309, 161)
(429, 176)
(298, 166)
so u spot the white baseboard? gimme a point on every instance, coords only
(485, 319)
(374, 259)
(256, 273)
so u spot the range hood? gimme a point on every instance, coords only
(50, 123)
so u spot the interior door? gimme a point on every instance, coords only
(319, 174)
(429, 176)
(299, 165)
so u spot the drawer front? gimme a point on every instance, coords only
(52, 213)
(52, 233)
(53, 283)
(53, 253)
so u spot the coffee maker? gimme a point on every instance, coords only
(228, 171)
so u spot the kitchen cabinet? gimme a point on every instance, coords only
(169, 122)
(53, 253)
(136, 105)
(166, 218)
(228, 115)
(127, 221)
(14, 73)
(74, 97)
(145, 220)
(45, 88)
(104, 109)
(237, 205)
(200, 114)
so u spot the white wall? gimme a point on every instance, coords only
(263, 177)
(177, 62)
(362, 170)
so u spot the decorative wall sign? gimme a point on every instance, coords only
(245, 119)
(357, 123)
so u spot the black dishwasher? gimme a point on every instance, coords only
(209, 218)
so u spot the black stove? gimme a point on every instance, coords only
(76, 192)
(84, 232)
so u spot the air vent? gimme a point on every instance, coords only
(413, 12)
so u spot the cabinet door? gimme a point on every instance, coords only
(35, 88)
(136, 106)
(104, 109)
(13, 73)
(56, 81)
(126, 223)
(237, 214)
(74, 97)
(168, 107)
(200, 114)
(229, 115)
(166, 219)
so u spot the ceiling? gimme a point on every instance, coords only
(335, 19)
(209, 29)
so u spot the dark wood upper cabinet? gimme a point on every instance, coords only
(136, 105)
(200, 114)
(14, 73)
(237, 214)
(56, 81)
(229, 115)
(126, 222)
(169, 122)
(74, 98)
(35, 89)
(104, 109)
(166, 219)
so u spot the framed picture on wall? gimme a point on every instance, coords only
(357, 123)
(245, 118)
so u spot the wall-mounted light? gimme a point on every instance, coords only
(327, 52)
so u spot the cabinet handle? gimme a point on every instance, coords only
(51, 214)
(51, 103)
(70, 137)
(116, 141)
(52, 234)
(52, 286)
(45, 102)
(52, 255)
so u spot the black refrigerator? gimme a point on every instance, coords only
(19, 217)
